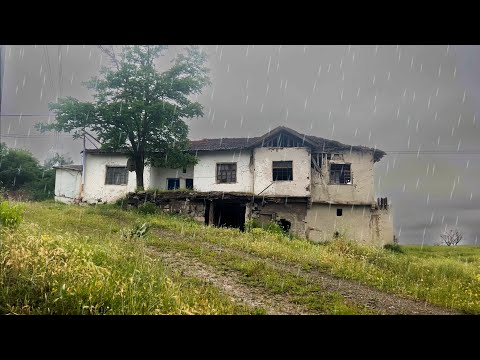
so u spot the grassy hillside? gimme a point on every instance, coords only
(70, 259)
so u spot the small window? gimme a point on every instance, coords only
(116, 175)
(340, 174)
(189, 184)
(184, 170)
(173, 184)
(282, 171)
(339, 212)
(227, 173)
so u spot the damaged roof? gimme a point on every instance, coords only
(69, 167)
(315, 142)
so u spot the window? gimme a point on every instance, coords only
(339, 212)
(283, 140)
(173, 184)
(116, 175)
(189, 184)
(282, 171)
(340, 174)
(227, 173)
(184, 170)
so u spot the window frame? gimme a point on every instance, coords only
(233, 178)
(345, 174)
(186, 180)
(283, 168)
(176, 180)
(107, 167)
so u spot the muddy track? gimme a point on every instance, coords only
(360, 295)
(229, 283)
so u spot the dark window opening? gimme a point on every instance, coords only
(227, 173)
(116, 175)
(173, 184)
(282, 171)
(340, 174)
(285, 224)
(283, 140)
(189, 184)
(339, 212)
(316, 163)
(184, 170)
(229, 214)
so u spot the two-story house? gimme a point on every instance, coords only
(313, 187)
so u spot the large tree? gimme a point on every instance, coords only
(138, 109)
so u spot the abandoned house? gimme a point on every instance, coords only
(313, 187)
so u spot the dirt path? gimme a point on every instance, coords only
(228, 282)
(352, 291)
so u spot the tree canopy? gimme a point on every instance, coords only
(137, 108)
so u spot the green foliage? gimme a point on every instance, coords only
(147, 208)
(394, 248)
(10, 215)
(138, 231)
(55, 160)
(17, 168)
(139, 109)
(252, 224)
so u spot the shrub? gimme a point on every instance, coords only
(10, 215)
(147, 208)
(394, 248)
(138, 231)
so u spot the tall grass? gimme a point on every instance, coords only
(446, 279)
(72, 260)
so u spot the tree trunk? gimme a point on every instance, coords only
(139, 167)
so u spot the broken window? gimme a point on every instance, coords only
(189, 184)
(227, 173)
(340, 174)
(282, 171)
(317, 161)
(116, 175)
(283, 140)
(173, 184)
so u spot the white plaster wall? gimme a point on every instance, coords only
(159, 176)
(67, 185)
(205, 171)
(322, 222)
(361, 191)
(263, 177)
(358, 222)
(95, 172)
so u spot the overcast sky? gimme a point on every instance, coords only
(394, 97)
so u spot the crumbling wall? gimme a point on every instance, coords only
(360, 223)
(295, 213)
(381, 225)
(361, 191)
(193, 208)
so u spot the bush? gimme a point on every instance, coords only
(137, 232)
(394, 248)
(147, 208)
(10, 215)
